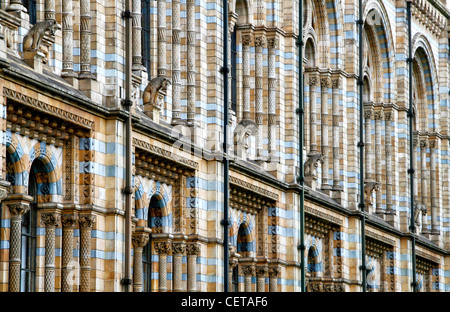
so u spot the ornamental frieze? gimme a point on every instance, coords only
(251, 187)
(323, 215)
(164, 153)
(46, 108)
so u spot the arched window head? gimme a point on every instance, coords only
(310, 54)
(242, 12)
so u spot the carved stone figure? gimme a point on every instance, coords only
(312, 163)
(32, 40)
(370, 187)
(242, 133)
(154, 88)
(419, 210)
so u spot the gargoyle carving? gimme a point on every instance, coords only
(156, 87)
(32, 40)
(419, 210)
(312, 163)
(370, 187)
(242, 132)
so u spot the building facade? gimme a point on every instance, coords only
(63, 150)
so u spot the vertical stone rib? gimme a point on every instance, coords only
(67, 32)
(136, 36)
(163, 249)
(424, 173)
(17, 210)
(161, 38)
(51, 221)
(388, 153)
(86, 225)
(139, 240)
(176, 66)
(69, 223)
(313, 111)
(433, 188)
(272, 44)
(49, 11)
(259, 44)
(193, 250)
(85, 39)
(378, 169)
(336, 131)
(178, 250)
(191, 73)
(324, 83)
(246, 41)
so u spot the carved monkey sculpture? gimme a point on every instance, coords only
(154, 87)
(33, 38)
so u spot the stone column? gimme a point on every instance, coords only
(178, 250)
(433, 188)
(260, 42)
(69, 223)
(324, 83)
(51, 221)
(261, 272)
(231, 24)
(248, 271)
(67, 34)
(136, 36)
(161, 6)
(191, 73)
(176, 62)
(85, 39)
(388, 154)
(274, 273)
(193, 250)
(86, 225)
(163, 249)
(233, 263)
(313, 111)
(246, 42)
(139, 240)
(424, 174)
(368, 143)
(18, 205)
(272, 44)
(337, 188)
(15, 5)
(378, 115)
(49, 7)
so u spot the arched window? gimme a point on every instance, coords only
(30, 5)
(147, 253)
(29, 223)
(311, 261)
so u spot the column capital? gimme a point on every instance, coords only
(51, 219)
(261, 271)
(423, 142)
(388, 116)
(87, 220)
(248, 270)
(179, 247)
(368, 112)
(247, 38)
(140, 239)
(336, 82)
(69, 220)
(272, 41)
(18, 204)
(193, 249)
(313, 79)
(260, 41)
(325, 81)
(433, 143)
(274, 272)
(163, 248)
(378, 114)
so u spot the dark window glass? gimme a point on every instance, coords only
(234, 279)
(145, 32)
(28, 252)
(147, 252)
(30, 5)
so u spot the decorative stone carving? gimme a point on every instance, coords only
(33, 39)
(370, 187)
(163, 248)
(153, 97)
(242, 132)
(193, 249)
(312, 163)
